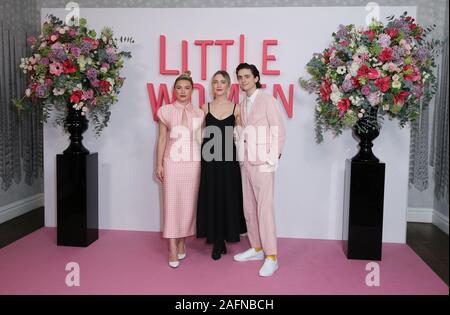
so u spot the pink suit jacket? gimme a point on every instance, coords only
(261, 138)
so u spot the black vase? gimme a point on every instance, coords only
(365, 136)
(76, 124)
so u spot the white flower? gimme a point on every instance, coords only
(341, 70)
(103, 70)
(111, 81)
(360, 115)
(104, 39)
(62, 31)
(354, 68)
(355, 100)
(336, 97)
(396, 84)
(319, 109)
(59, 91)
(362, 50)
(362, 110)
(28, 92)
(386, 107)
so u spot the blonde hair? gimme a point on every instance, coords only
(224, 74)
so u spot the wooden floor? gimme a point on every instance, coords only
(430, 244)
(12, 230)
(428, 241)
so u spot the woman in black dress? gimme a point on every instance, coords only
(220, 215)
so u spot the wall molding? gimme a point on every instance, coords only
(17, 208)
(441, 221)
(421, 215)
(428, 215)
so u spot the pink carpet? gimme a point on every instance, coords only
(126, 262)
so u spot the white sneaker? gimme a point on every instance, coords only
(249, 254)
(268, 268)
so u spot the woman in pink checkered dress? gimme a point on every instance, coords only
(178, 166)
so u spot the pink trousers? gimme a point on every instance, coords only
(257, 188)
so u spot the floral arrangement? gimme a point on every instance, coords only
(367, 73)
(71, 67)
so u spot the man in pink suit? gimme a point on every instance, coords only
(261, 141)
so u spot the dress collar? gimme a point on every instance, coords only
(181, 106)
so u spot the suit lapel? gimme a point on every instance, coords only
(244, 112)
(254, 107)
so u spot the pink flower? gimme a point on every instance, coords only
(343, 104)
(365, 90)
(56, 68)
(31, 40)
(104, 86)
(54, 38)
(325, 90)
(72, 32)
(87, 95)
(373, 74)
(76, 96)
(411, 73)
(69, 67)
(393, 67)
(383, 84)
(374, 98)
(386, 54)
(94, 43)
(75, 51)
(400, 98)
(392, 32)
(363, 71)
(370, 34)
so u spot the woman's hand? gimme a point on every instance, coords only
(160, 173)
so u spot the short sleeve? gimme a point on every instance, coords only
(163, 115)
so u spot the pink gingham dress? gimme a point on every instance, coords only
(181, 177)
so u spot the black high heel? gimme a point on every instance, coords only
(218, 250)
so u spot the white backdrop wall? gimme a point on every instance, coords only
(309, 181)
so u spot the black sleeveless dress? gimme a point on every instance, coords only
(220, 214)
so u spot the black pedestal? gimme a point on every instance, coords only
(363, 210)
(77, 199)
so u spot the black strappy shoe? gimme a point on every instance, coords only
(218, 249)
